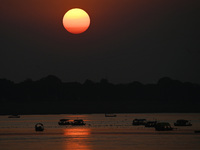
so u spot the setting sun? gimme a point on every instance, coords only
(76, 21)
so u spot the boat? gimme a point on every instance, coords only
(182, 122)
(64, 122)
(39, 127)
(110, 115)
(14, 116)
(163, 126)
(139, 122)
(151, 124)
(197, 131)
(78, 122)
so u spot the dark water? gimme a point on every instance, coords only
(100, 133)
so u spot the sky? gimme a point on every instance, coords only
(128, 40)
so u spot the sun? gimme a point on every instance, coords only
(76, 21)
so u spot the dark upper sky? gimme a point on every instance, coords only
(128, 40)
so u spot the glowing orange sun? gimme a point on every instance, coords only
(76, 21)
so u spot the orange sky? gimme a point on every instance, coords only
(105, 15)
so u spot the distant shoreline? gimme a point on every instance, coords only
(50, 95)
(104, 113)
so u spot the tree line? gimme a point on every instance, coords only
(51, 89)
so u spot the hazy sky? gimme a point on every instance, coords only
(128, 40)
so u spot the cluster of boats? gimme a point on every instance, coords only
(68, 122)
(40, 126)
(161, 126)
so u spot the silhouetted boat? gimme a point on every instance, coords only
(64, 122)
(14, 116)
(78, 122)
(110, 115)
(139, 122)
(197, 131)
(182, 122)
(39, 127)
(151, 124)
(163, 126)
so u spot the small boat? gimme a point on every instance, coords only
(78, 122)
(39, 127)
(110, 115)
(139, 122)
(163, 126)
(182, 122)
(151, 124)
(64, 122)
(14, 116)
(197, 131)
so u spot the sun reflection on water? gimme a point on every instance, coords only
(77, 139)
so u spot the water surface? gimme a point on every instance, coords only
(100, 133)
